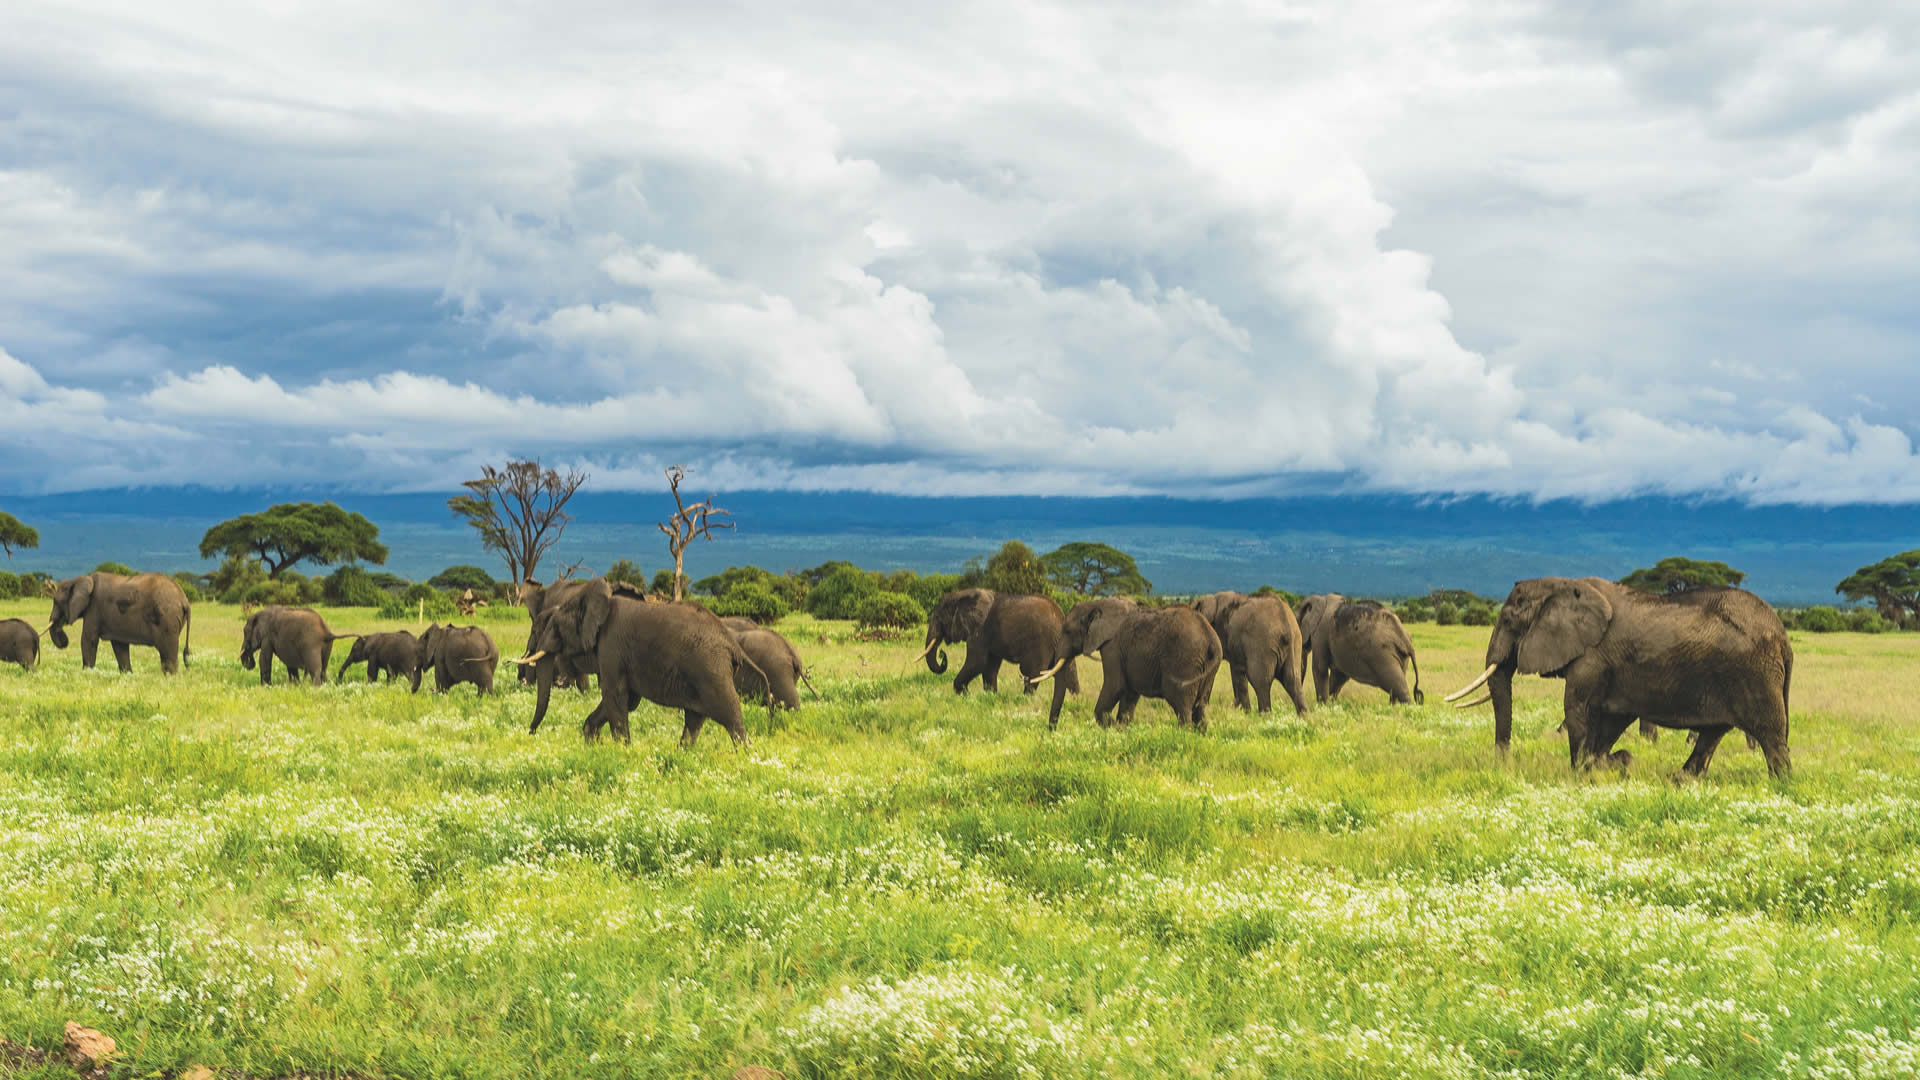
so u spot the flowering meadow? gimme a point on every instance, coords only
(899, 882)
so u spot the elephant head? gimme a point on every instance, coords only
(1316, 615)
(569, 626)
(1219, 607)
(958, 616)
(70, 601)
(251, 633)
(1092, 623)
(1545, 625)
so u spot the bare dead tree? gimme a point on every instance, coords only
(519, 511)
(689, 523)
(568, 571)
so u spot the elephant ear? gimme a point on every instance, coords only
(1106, 620)
(1313, 613)
(1572, 620)
(596, 602)
(969, 613)
(79, 598)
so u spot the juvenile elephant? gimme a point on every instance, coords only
(298, 637)
(395, 653)
(145, 609)
(1710, 660)
(675, 655)
(19, 644)
(738, 624)
(776, 656)
(1170, 653)
(1358, 640)
(997, 627)
(458, 654)
(1262, 642)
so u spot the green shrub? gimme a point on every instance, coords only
(417, 600)
(463, 577)
(1867, 621)
(1445, 614)
(1288, 598)
(262, 593)
(889, 611)
(663, 583)
(190, 584)
(1821, 620)
(392, 583)
(792, 590)
(351, 586)
(33, 583)
(1415, 609)
(841, 594)
(626, 572)
(754, 600)
(306, 591)
(722, 583)
(927, 589)
(1479, 615)
(9, 586)
(114, 568)
(235, 576)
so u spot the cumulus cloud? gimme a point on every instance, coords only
(1524, 249)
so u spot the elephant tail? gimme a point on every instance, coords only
(1418, 697)
(1215, 654)
(186, 642)
(742, 660)
(809, 681)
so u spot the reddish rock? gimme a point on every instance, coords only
(87, 1048)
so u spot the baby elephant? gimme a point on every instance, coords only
(1361, 641)
(458, 654)
(395, 653)
(299, 637)
(776, 656)
(1172, 654)
(19, 644)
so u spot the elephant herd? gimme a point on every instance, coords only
(1709, 661)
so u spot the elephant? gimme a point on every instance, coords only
(536, 598)
(776, 656)
(145, 609)
(1262, 641)
(738, 624)
(395, 653)
(998, 627)
(1358, 640)
(458, 654)
(19, 644)
(299, 637)
(1709, 660)
(675, 655)
(1168, 653)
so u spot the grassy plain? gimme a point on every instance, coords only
(898, 882)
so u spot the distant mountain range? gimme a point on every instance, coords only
(1361, 545)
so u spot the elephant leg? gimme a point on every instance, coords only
(1604, 730)
(972, 668)
(1129, 701)
(1336, 681)
(690, 730)
(1238, 675)
(1290, 682)
(1649, 730)
(990, 676)
(1260, 671)
(169, 655)
(123, 656)
(266, 666)
(1059, 695)
(1707, 740)
(1069, 676)
(1574, 723)
(322, 656)
(1321, 672)
(1110, 694)
(89, 644)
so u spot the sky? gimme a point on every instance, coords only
(1546, 250)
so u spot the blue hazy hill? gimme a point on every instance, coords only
(1362, 545)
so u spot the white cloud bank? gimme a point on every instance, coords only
(1029, 247)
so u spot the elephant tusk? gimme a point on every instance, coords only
(1475, 684)
(475, 659)
(1049, 673)
(523, 661)
(931, 645)
(1481, 700)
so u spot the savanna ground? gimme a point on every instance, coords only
(898, 882)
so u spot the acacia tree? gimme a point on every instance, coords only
(1893, 584)
(1678, 575)
(519, 510)
(689, 523)
(283, 535)
(16, 534)
(1094, 569)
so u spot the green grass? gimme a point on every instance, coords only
(898, 882)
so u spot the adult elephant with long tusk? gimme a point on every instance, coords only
(676, 655)
(1711, 661)
(998, 627)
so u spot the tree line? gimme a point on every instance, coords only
(519, 513)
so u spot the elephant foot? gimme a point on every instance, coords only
(1620, 759)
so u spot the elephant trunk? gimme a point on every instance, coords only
(935, 656)
(57, 634)
(543, 683)
(1500, 686)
